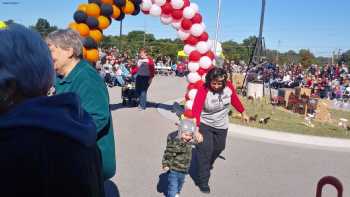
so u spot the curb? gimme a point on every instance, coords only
(275, 137)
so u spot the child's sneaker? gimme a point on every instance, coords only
(177, 195)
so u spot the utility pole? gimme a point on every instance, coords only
(120, 36)
(259, 50)
(333, 54)
(277, 55)
(144, 33)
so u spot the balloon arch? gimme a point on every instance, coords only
(96, 15)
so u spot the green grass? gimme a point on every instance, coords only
(285, 121)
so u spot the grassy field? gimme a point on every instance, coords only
(286, 121)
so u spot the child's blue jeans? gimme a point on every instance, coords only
(176, 181)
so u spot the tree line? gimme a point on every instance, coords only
(232, 50)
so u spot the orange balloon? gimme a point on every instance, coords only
(92, 55)
(116, 11)
(93, 10)
(103, 22)
(108, 1)
(84, 52)
(83, 7)
(83, 29)
(73, 26)
(129, 7)
(96, 35)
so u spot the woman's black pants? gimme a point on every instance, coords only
(214, 141)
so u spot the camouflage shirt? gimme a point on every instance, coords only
(177, 155)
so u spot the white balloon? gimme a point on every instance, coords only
(193, 77)
(203, 77)
(192, 94)
(193, 66)
(176, 24)
(189, 48)
(165, 19)
(189, 105)
(146, 5)
(189, 12)
(195, 7)
(183, 34)
(202, 47)
(204, 26)
(177, 4)
(155, 10)
(197, 30)
(205, 62)
(160, 2)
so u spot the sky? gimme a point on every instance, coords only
(322, 26)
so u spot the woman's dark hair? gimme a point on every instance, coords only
(213, 74)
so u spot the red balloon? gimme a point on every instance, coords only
(191, 40)
(202, 71)
(204, 37)
(195, 56)
(186, 3)
(210, 54)
(191, 86)
(186, 24)
(167, 9)
(188, 113)
(145, 12)
(197, 18)
(199, 84)
(177, 14)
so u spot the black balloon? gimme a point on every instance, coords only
(137, 10)
(121, 17)
(119, 3)
(98, 2)
(80, 17)
(106, 9)
(89, 43)
(137, 2)
(92, 22)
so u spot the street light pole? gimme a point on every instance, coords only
(217, 25)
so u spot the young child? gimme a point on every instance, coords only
(177, 156)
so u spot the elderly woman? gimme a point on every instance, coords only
(211, 107)
(78, 76)
(48, 144)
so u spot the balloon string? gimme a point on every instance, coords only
(217, 26)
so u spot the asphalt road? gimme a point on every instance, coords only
(249, 168)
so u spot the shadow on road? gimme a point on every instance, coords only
(111, 189)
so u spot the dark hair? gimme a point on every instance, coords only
(213, 74)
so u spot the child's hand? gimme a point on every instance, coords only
(198, 137)
(165, 169)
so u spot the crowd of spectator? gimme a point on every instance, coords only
(330, 81)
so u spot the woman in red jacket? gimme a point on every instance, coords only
(211, 107)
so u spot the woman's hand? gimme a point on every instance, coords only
(198, 137)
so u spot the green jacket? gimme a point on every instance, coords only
(177, 155)
(89, 86)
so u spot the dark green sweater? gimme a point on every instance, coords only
(177, 155)
(89, 86)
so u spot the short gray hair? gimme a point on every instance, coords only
(26, 60)
(65, 39)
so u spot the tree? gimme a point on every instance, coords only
(43, 27)
(345, 57)
(306, 58)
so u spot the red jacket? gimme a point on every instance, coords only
(201, 96)
(151, 67)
